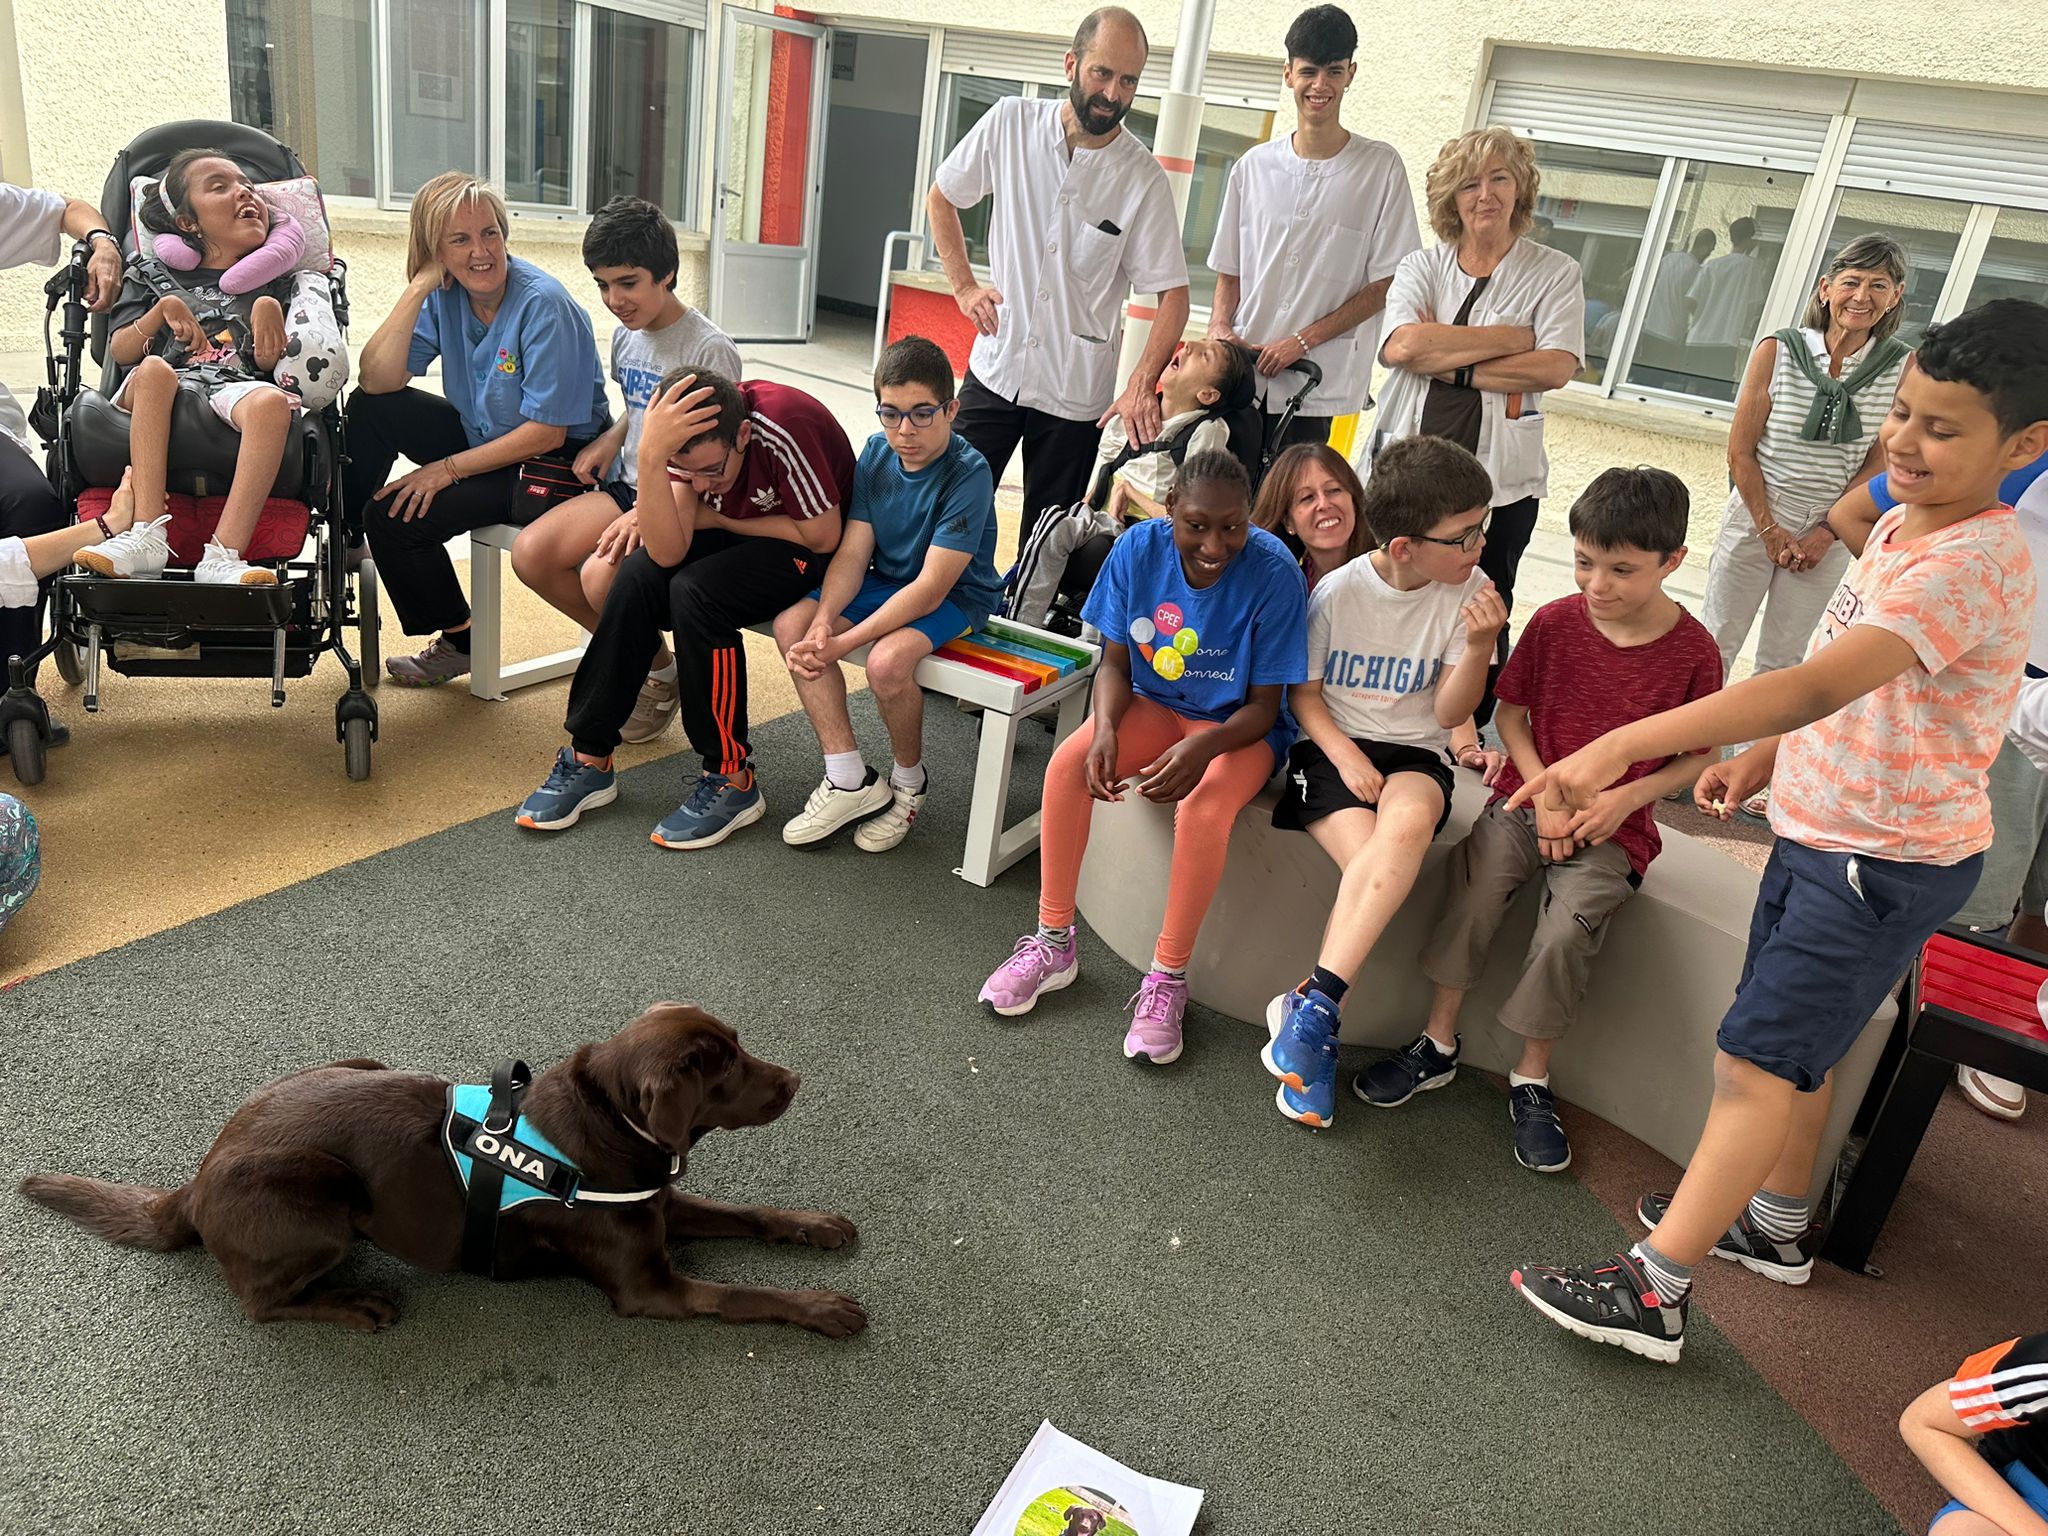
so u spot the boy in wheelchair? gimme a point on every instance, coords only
(187, 333)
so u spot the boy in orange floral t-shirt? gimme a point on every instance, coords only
(1876, 747)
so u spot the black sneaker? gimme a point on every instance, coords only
(1611, 1302)
(1748, 1244)
(1417, 1068)
(1539, 1138)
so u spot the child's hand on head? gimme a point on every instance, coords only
(1485, 615)
(674, 418)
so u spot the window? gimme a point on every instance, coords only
(966, 102)
(1594, 205)
(1227, 132)
(1929, 229)
(379, 96)
(1706, 299)
(2015, 264)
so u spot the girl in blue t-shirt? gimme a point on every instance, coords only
(1204, 622)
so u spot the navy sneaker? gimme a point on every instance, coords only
(1748, 1244)
(572, 788)
(1539, 1138)
(1610, 1302)
(716, 809)
(1415, 1068)
(1302, 1053)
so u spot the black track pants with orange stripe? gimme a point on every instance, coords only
(725, 582)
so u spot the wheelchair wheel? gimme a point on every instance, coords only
(70, 661)
(369, 625)
(355, 748)
(25, 751)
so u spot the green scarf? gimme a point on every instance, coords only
(1832, 417)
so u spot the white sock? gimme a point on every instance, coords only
(1516, 1080)
(665, 674)
(845, 770)
(909, 779)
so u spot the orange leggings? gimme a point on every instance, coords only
(1201, 822)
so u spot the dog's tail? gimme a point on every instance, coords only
(132, 1214)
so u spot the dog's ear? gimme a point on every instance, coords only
(678, 1077)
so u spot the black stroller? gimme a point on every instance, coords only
(1049, 584)
(171, 626)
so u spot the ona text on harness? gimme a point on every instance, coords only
(501, 1163)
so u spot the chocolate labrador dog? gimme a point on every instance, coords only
(317, 1159)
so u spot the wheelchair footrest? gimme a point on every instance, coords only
(280, 527)
(171, 605)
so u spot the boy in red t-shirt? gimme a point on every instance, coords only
(1622, 649)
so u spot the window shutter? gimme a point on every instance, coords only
(1004, 56)
(1921, 161)
(1700, 130)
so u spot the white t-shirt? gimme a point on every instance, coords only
(31, 230)
(1302, 236)
(1534, 286)
(1069, 238)
(1728, 299)
(1152, 473)
(642, 359)
(1665, 315)
(1380, 652)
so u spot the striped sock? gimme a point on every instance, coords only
(1058, 938)
(1673, 1280)
(1784, 1218)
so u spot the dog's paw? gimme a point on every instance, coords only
(818, 1229)
(370, 1311)
(830, 1313)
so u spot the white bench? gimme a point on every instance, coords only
(489, 677)
(1641, 1055)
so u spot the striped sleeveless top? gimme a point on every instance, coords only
(1805, 478)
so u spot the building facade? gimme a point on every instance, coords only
(1662, 131)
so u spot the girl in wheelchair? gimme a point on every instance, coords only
(187, 332)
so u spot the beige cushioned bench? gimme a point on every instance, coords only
(1641, 1054)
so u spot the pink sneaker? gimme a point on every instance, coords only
(1155, 1020)
(1034, 968)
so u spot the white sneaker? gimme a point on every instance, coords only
(1994, 1095)
(143, 550)
(224, 567)
(831, 808)
(878, 834)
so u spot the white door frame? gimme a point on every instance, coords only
(780, 281)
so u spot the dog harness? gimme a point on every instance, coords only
(501, 1163)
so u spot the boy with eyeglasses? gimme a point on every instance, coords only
(1399, 641)
(915, 569)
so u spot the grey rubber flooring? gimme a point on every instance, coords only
(1316, 1328)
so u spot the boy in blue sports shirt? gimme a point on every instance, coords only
(915, 569)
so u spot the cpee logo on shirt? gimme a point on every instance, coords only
(506, 363)
(1167, 643)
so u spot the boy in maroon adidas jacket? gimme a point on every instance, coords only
(1621, 649)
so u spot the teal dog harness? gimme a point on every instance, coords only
(501, 1163)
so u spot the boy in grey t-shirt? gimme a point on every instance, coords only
(570, 554)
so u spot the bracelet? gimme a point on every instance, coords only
(105, 531)
(1303, 343)
(101, 234)
(449, 465)
(1469, 747)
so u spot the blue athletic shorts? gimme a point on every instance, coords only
(2024, 1483)
(1831, 936)
(943, 623)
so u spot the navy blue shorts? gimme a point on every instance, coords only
(1831, 936)
(624, 494)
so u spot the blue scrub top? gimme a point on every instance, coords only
(536, 361)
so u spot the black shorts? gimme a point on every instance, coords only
(1313, 788)
(624, 494)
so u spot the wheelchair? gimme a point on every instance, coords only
(171, 626)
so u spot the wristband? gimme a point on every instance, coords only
(1302, 341)
(453, 473)
(105, 531)
(101, 234)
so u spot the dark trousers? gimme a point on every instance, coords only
(725, 582)
(1507, 536)
(1303, 429)
(412, 562)
(1058, 453)
(29, 504)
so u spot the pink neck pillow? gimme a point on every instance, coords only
(297, 241)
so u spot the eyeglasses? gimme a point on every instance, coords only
(700, 478)
(1468, 541)
(919, 416)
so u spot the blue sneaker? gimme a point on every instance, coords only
(1302, 1053)
(571, 789)
(716, 809)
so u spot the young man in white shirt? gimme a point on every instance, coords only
(1313, 226)
(1082, 217)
